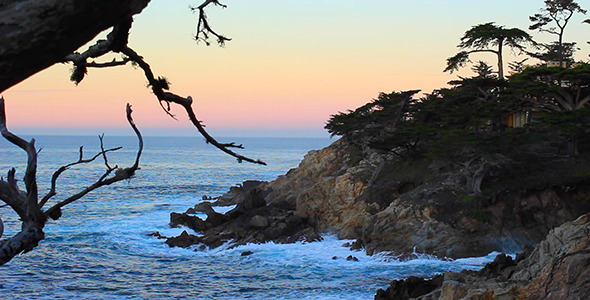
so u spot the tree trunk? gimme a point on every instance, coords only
(500, 60)
(37, 34)
(24, 241)
(560, 49)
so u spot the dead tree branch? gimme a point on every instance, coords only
(117, 42)
(158, 88)
(120, 173)
(116, 39)
(25, 203)
(203, 29)
(52, 191)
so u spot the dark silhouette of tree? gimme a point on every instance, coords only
(483, 70)
(37, 34)
(555, 52)
(556, 13)
(563, 93)
(489, 38)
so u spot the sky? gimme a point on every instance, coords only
(290, 65)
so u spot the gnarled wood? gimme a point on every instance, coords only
(26, 204)
(37, 34)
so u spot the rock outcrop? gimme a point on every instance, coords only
(435, 207)
(251, 221)
(470, 206)
(557, 268)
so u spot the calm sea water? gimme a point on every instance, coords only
(99, 248)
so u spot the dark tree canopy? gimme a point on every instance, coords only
(489, 38)
(554, 18)
(555, 52)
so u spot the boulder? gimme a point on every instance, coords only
(184, 240)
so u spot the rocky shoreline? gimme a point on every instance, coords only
(557, 268)
(392, 205)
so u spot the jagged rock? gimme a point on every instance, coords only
(356, 245)
(192, 222)
(204, 207)
(214, 219)
(412, 287)
(253, 201)
(557, 268)
(498, 267)
(238, 193)
(251, 221)
(184, 240)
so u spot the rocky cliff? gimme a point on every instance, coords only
(467, 206)
(402, 206)
(557, 268)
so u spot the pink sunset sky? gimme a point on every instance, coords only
(290, 65)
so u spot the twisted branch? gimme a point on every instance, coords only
(120, 173)
(203, 27)
(117, 41)
(52, 191)
(158, 88)
(25, 203)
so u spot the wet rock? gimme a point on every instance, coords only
(204, 207)
(351, 258)
(193, 222)
(309, 235)
(184, 240)
(238, 193)
(157, 235)
(253, 201)
(251, 221)
(557, 268)
(246, 253)
(356, 245)
(214, 219)
(412, 287)
(498, 267)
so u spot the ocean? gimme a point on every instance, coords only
(100, 248)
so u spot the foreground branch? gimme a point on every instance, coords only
(25, 204)
(204, 30)
(158, 88)
(117, 42)
(37, 34)
(120, 173)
